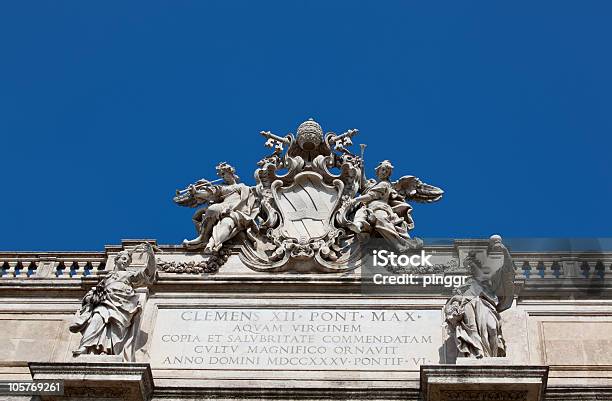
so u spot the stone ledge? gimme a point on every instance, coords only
(577, 393)
(461, 361)
(286, 394)
(483, 382)
(97, 378)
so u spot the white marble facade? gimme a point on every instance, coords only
(214, 334)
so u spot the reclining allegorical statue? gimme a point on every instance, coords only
(230, 208)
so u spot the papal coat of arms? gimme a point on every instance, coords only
(311, 210)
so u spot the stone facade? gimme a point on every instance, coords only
(560, 320)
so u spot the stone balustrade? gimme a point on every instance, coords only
(588, 265)
(76, 265)
(51, 264)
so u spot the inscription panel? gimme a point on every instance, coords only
(296, 339)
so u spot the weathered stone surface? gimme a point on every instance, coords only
(590, 343)
(97, 380)
(483, 382)
(23, 338)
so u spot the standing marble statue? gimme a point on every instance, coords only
(473, 313)
(382, 206)
(110, 309)
(232, 207)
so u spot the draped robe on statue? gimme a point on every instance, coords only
(388, 213)
(107, 323)
(233, 211)
(478, 332)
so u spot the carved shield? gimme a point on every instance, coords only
(306, 206)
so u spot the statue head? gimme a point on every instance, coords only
(384, 170)
(123, 260)
(309, 135)
(495, 244)
(227, 172)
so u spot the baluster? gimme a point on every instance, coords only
(81, 267)
(87, 269)
(526, 269)
(541, 269)
(101, 267)
(73, 269)
(31, 269)
(4, 269)
(585, 269)
(600, 269)
(60, 270)
(12, 268)
(556, 269)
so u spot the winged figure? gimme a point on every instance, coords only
(382, 206)
(474, 312)
(229, 209)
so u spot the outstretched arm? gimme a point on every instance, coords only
(203, 191)
(503, 279)
(206, 194)
(370, 196)
(373, 193)
(150, 270)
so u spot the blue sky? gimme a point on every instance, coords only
(107, 107)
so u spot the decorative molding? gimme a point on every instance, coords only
(99, 379)
(483, 395)
(483, 382)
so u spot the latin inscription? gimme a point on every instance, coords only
(296, 339)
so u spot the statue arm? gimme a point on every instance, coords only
(503, 281)
(151, 270)
(207, 194)
(149, 274)
(368, 197)
(373, 193)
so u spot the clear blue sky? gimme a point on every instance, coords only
(107, 107)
